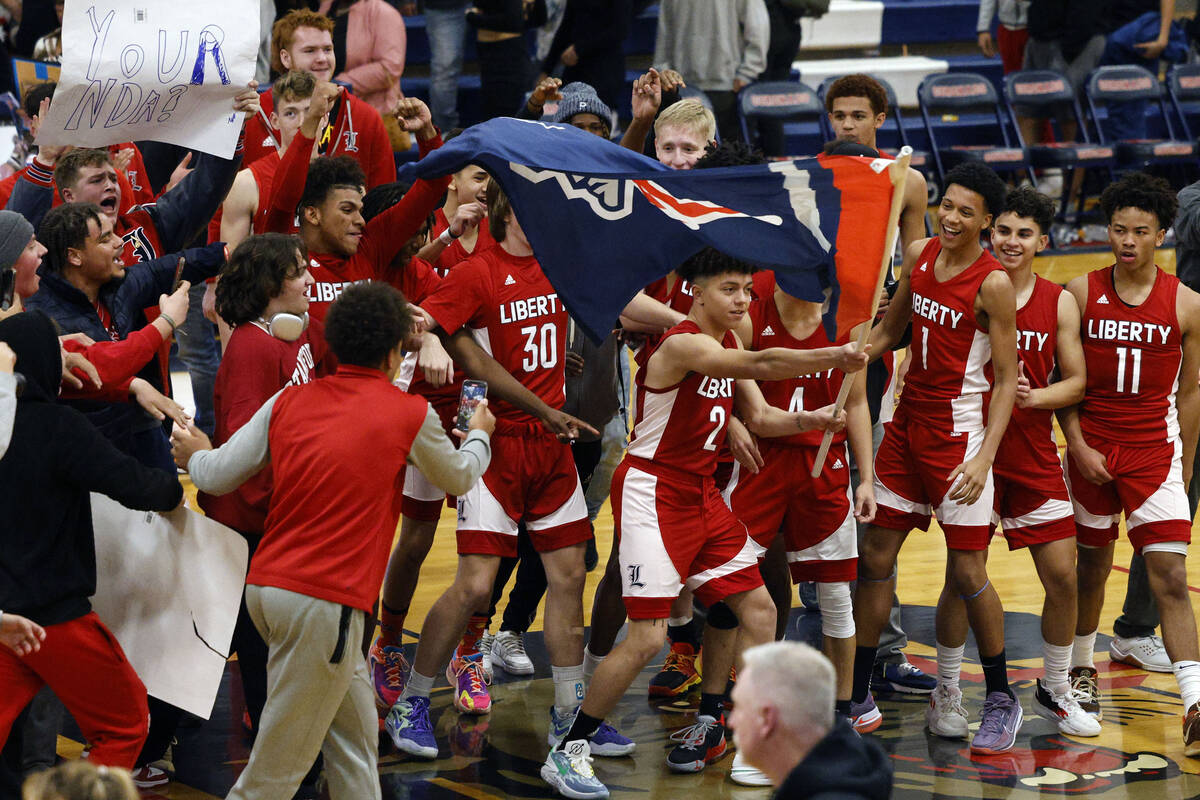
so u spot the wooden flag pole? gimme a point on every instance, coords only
(898, 172)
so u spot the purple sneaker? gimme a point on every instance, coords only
(998, 724)
(865, 716)
(608, 742)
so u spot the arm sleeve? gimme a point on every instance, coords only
(33, 194)
(8, 408)
(453, 471)
(1187, 221)
(88, 460)
(756, 35)
(184, 211)
(288, 186)
(386, 62)
(222, 470)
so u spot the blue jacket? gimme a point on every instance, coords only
(126, 298)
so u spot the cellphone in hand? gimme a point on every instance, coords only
(8, 288)
(468, 399)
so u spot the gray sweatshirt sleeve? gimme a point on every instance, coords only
(222, 470)
(987, 11)
(454, 471)
(8, 408)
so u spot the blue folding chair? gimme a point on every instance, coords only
(1183, 87)
(944, 98)
(690, 93)
(785, 101)
(1125, 83)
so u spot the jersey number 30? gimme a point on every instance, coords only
(541, 347)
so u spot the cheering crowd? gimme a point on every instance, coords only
(351, 308)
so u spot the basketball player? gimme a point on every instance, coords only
(672, 525)
(1031, 499)
(937, 453)
(1131, 442)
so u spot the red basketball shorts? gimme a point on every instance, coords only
(532, 477)
(1032, 508)
(912, 470)
(814, 514)
(676, 531)
(422, 500)
(1147, 485)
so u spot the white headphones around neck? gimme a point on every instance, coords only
(286, 327)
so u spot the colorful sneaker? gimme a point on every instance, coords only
(678, 674)
(1144, 652)
(389, 671)
(470, 693)
(148, 777)
(998, 724)
(1191, 731)
(608, 742)
(508, 651)
(865, 716)
(485, 652)
(944, 715)
(743, 774)
(699, 745)
(409, 727)
(1064, 711)
(1085, 686)
(569, 772)
(559, 726)
(903, 678)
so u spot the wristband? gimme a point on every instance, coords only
(170, 321)
(446, 237)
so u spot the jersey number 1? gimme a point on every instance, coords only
(1135, 379)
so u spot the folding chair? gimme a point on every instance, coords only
(784, 101)
(1183, 87)
(1122, 83)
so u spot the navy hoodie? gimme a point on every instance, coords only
(843, 766)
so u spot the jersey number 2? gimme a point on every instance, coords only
(716, 416)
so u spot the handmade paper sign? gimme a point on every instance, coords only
(153, 69)
(169, 586)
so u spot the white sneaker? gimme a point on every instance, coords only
(743, 774)
(1064, 711)
(508, 651)
(1144, 652)
(485, 650)
(945, 715)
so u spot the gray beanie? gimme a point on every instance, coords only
(15, 233)
(581, 98)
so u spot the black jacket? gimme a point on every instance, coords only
(843, 766)
(597, 29)
(55, 458)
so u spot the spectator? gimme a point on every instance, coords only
(588, 46)
(80, 780)
(582, 108)
(54, 460)
(718, 46)
(49, 47)
(1140, 32)
(785, 44)
(1065, 37)
(1011, 34)
(369, 42)
(784, 724)
(446, 26)
(500, 27)
(317, 574)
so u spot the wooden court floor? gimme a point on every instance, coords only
(1138, 755)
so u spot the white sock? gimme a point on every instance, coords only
(1056, 660)
(1187, 675)
(1082, 651)
(949, 664)
(568, 688)
(590, 662)
(418, 685)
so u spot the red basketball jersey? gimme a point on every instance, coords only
(678, 295)
(951, 370)
(516, 317)
(455, 252)
(1028, 448)
(803, 392)
(682, 426)
(1133, 356)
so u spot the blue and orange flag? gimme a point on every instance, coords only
(604, 221)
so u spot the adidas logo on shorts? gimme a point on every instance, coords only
(837, 464)
(1103, 301)
(768, 331)
(509, 281)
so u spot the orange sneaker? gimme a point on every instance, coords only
(678, 674)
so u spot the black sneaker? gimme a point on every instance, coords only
(699, 745)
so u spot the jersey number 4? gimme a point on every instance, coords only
(541, 347)
(1131, 356)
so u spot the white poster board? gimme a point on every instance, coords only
(153, 69)
(169, 586)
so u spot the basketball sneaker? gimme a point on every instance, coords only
(998, 724)
(606, 741)
(678, 674)
(471, 694)
(901, 677)
(865, 716)
(389, 671)
(569, 772)
(485, 652)
(1191, 731)
(699, 745)
(743, 774)
(1064, 711)
(944, 715)
(1085, 685)
(508, 650)
(409, 728)
(149, 777)
(1144, 652)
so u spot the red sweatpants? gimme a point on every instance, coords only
(82, 662)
